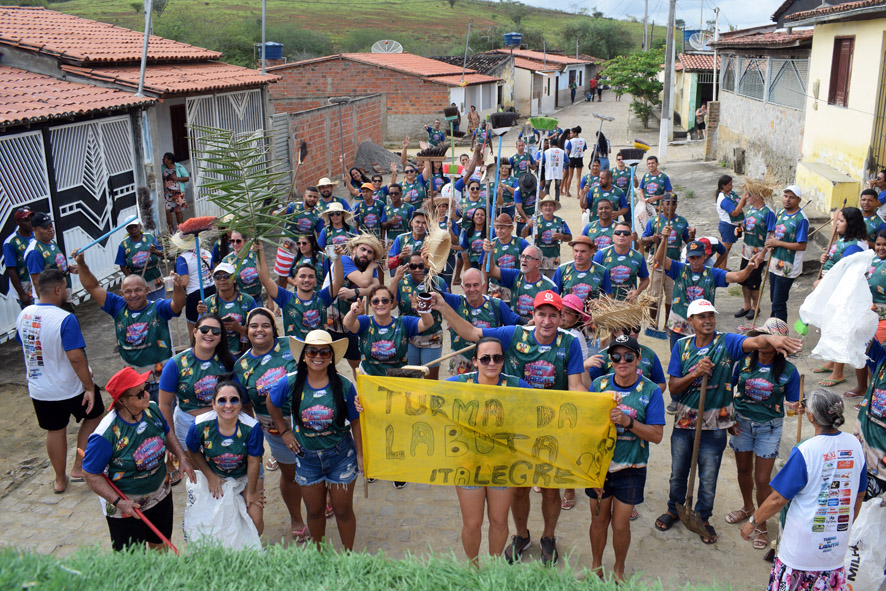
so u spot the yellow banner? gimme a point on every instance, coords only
(449, 433)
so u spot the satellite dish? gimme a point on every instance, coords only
(386, 46)
(699, 41)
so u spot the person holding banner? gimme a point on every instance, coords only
(488, 360)
(548, 358)
(324, 433)
(638, 418)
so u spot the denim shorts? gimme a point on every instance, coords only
(183, 421)
(727, 233)
(336, 465)
(281, 453)
(626, 486)
(761, 438)
(418, 356)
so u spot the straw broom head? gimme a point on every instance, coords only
(608, 314)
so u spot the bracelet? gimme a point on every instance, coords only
(357, 292)
(285, 432)
(630, 425)
(117, 500)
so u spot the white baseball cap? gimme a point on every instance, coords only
(700, 307)
(795, 189)
(224, 268)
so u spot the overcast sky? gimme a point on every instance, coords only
(738, 13)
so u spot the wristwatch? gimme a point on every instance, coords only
(117, 500)
(751, 520)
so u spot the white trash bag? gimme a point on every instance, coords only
(841, 307)
(866, 557)
(224, 520)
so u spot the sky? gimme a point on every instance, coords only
(737, 13)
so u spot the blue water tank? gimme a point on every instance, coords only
(273, 51)
(513, 39)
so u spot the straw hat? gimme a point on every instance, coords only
(318, 338)
(326, 181)
(182, 242)
(446, 197)
(773, 326)
(370, 241)
(549, 199)
(336, 206)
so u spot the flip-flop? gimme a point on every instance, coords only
(852, 394)
(635, 515)
(711, 538)
(822, 369)
(831, 383)
(329, 511)
(76, 479)
(665, 521)
(301, 536)
(567, 504)
(57, 491)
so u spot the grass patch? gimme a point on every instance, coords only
(735, 290)
(279, 568)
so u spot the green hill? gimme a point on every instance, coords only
(310, 28)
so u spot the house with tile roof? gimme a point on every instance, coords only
(416, 89)
(693, 85)
(547, 74)
(76, 141)
(497, 65)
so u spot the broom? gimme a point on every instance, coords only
(193, 227)
(420, 371)
(657, 333)
(302, 154)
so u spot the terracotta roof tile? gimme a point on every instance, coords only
(470, 79)
(172, 79)
(479, 62)
(406, 62)
(540, 57)
(698, 62)
(26, 97)
(778, 39)
(82, 41)
(535, 66)
(835, 9)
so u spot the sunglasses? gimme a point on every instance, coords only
(621, 233)
(416, 266)
(409, 170)
(312, 352)
(381, 301)
(803, 405)
(473, 188)
(618, 357)
(210, 329)
(495, 359)
(221, 276)
(335, 213)
(141, 394)
(232, 241)
(376, 180)
(394, 194)
(223, 401)
(303, 243)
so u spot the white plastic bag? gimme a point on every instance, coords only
(224, 520)
(866, 557)
(841, 307)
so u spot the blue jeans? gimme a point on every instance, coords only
(710, 453)
(779, 289)
(673, 337)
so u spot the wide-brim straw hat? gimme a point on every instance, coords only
(447, 198)
(370, 241)
(183, 242)
(335, 206)
(549, 199)
(318, 338)
(326, 181)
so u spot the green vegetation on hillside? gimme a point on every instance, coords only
(310, 28)
(280, 567)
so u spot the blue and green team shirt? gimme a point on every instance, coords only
(492, 313)
(690, 286)
(590, 181)
(302, 316)
(370, 216)
(873, 223)
(324, 205)
(42, 255)
(142, 335)
(406, 239)
(236, 310)
(600, 234)
(472, 241)
(758, 396)
(643, 402)
(520, 164)
(435, 136)
(136, 255)
(871, 426)
(507, 256)
(318, 262)
(545, 367)
(301, 221)
(335, 236)
(318, 412)
(191, 379)
(503, 380)
(623, 269)
(227, 455)
(658, 184)
(523, 292)
(414, 193)
(877, 283)
(398, 217)
(247, 275)
(678, 237)
(584, 284)
(258, 375)
(527, 202)
(621, 178)
(384, 347)
(544, 237)
(650, 366)
(14, 248)
(843, 248)
(614, 195)
(134, 454)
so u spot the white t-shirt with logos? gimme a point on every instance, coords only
(555, 160)
(186, 264)
(46, 332)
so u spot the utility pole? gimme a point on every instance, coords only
(264, 20)
(716, 37)
(667, 109)
(701, 16)
(645, 21)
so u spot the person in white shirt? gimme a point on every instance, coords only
(555, 161)
(59, 379)
(575, 150)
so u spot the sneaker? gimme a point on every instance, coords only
(549, 554)
(370, 480)
(399, 484)
(672, 408)
(518, 545)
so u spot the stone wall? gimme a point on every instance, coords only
(771, 136)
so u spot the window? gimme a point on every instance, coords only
(788, 86)
(728, 76)
(841, 69)
(178, 122)
(753, 79)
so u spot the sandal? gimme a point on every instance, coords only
(175, 477)
(301, 535)
(57, 491)
(567, 504)
(712, 534)
(635, 515)
(852, 394)
(831, 383)
(271, 464)
(329, 511)
(665, 521)
(738, 516)
(761, 539)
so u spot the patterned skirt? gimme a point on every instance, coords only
(784, 578)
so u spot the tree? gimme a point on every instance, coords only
(599, 37)
(637, 74)
(597, 13)
(451, 3)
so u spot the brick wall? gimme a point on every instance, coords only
(410, 100)
(361, 120)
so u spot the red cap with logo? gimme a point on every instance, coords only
(123, 380)
(548, 298)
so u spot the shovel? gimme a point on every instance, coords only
(688, 517)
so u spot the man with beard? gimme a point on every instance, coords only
(714, 354)
(505, 253)
(140, 253)
(14, 248)
(546, 357)
(526, 282)
(624, 265)
(605, 191)
(480, 310)
(405, 244)
(582, 277)
(600, 230)
(397, 213)
(303, 218)
(325, 186)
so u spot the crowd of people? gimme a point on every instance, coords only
(346, 288)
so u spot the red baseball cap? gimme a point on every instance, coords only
(548, 298)
(22, 213)
(123, 380)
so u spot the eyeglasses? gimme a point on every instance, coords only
(303, 243)
(621, 233)
(233, 241)
(526, 256)
(210, 329)
(394, 193)
(381, 301)
(312, 352)
(221, 276)
(619, 160)
(232, 400)
(494, 359)
(618, 357)
(416, 266)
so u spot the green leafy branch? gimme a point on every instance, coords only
(637, 74)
